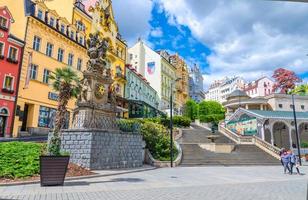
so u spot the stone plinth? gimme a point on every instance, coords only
(99, 149)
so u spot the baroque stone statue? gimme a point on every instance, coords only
(96, 106)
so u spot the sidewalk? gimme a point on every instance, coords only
(98, 174)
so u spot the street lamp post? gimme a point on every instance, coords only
(171, 122)
(296, 131)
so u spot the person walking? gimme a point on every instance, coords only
(282, 150)
(285, 158)
(294, 161)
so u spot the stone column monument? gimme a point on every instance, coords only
(96, 104)
(95, 142)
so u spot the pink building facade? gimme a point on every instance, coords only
(259, 88)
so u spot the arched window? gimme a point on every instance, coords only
(4, 112)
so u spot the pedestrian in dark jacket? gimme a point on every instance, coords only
(294, 161)
(285, 158)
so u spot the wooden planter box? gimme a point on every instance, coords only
(53, 170)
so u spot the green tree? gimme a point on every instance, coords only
(300, 90)
(211, 111)
(191, 109)
(67, 83)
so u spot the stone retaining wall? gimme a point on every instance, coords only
(98, 149)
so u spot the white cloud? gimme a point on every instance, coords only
(248, 38)
(133, 18)
(157, 32)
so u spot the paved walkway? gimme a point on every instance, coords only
(187, 183)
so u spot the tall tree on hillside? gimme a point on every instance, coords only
(285, 80)
(300, 90)
(211, 111)
(191, 110)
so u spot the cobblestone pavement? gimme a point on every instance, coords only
(189, 183)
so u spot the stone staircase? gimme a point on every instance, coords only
(243, 154)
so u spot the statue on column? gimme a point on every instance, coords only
(96, 103)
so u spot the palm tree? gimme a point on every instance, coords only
(301, 90)
(67, 83)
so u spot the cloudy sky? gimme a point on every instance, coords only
(248, 38)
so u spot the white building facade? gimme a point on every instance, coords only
(148, 63)
(156, 68)
(221, 89)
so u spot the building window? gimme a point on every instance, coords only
(40, 14)
(72, 35)
(81, 40)
(49, 49)
(62, 28)
(36, 43)
(280, 105)
(80, 26)
(1, 49)
(70, 59)
(302, 107)
(13, 54)
(3, 22)
(46, 76)
(8, 83)
(33, 72)
(60, 55)
(46, 117)
(52, 21)
(79, 64)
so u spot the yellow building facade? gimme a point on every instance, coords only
(182, 85)
(168, 77)
(100, 18)
(51, 42)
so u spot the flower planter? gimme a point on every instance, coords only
(53, 170)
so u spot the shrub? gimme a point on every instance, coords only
(180, 121)
(304, 144)
(157, 141)
(212, 118)
(127, 125)
(20, 159)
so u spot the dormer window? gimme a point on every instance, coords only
(72, 35)
(52, 21)
(62, 29)
(80, 26)
(3, 22)
(40, 14)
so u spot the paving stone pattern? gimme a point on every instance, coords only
(103, 150)
(183, 183)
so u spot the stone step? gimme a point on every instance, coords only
(242, 155)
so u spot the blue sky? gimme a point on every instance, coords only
(225, 37)
(176, 39)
